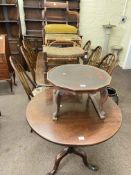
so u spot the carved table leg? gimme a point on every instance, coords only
(103, 99)
(58, 101)
(83, 155)
(69, 150)
(59, 157)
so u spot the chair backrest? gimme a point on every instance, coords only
(33, 55)
(24, 78)
(68, 13)
(28, 60)
(87, 46)
(108, 63)
(95, 57)
(74, 14)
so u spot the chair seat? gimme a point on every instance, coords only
(66, 52)
(60, 28)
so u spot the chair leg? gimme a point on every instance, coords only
(77, 60)
(116, 99)
(14, 78)
(31, 130)
(10, 83)
(0, 113)
(45, 67)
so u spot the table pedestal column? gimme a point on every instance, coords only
(70, 150)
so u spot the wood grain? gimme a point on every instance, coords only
(77, 120)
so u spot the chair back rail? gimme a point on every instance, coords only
(108, 63)
(29, 49)
(27, 58)
(87, 46)
(22, 76)
(95, 57)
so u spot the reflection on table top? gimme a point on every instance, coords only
(77, 125)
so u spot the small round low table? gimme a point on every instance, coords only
(78, 126)
(77, 78)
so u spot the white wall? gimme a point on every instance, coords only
(95, 13)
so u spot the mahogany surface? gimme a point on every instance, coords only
(77, 120)
(78, 77)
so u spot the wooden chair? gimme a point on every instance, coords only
(55, 56)
(108, 63)
(29, 61)
(32, 53)
(61, 32)
(29, 86)
(95, 57)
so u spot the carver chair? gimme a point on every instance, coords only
(95, 57)
(29, 86)
(108, 63)
(32, 53)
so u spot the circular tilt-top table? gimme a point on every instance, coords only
(79, 79)
(77, 126)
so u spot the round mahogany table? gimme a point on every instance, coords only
(78, 78)
(79, 125)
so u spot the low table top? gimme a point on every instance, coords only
(77, 77)
(77, 125)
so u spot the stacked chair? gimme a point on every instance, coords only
(61, 32)
(61, 42)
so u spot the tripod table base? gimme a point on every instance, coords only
(70, 150)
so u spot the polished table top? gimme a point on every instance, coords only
(78, 124)
(78, 77)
